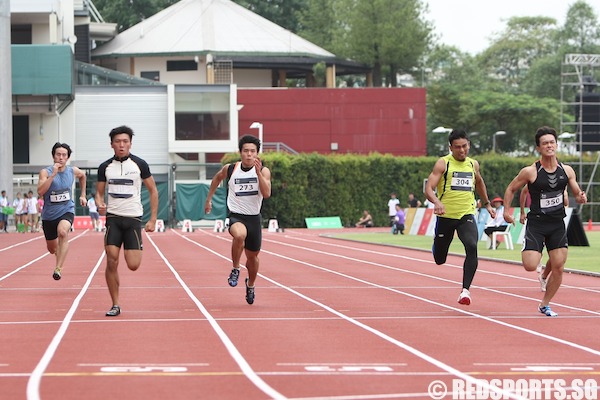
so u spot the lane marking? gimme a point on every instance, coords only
(231, 348)
(426, 261)
(425, 275)
(35, 259)
(33, 384)
(419, 354)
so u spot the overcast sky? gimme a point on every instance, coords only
(469, 24)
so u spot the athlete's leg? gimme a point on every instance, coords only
(252, 264)
(111, 274)
(62, 247)
(558, 257)
(444, 233)
(238, 232)
(469, 235)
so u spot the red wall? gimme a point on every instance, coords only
(384, 120)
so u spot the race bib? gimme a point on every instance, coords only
(60, 197)
(551, 200)
(462, 181)
(121, 188)
(246, 186)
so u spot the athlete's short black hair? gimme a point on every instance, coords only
(121, 129)
(544, 130)
(249, 139)
(457, 134)
(58, 145)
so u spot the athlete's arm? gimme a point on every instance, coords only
(580, 196)
(214, 184)
(523, 177)
(482, 190)
(79, 174)
(432, 181)
(153, 191)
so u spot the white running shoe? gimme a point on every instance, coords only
(543, 282)
(464, 297)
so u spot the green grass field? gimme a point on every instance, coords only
(580, 258)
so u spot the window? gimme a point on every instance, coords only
(20, 34)
(152, 75)
(182, 65)
(201, 115)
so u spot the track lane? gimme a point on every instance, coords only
(301, 335)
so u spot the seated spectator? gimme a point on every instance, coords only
(413, 202)
(498, 223)
(398, 221)
(366, 221)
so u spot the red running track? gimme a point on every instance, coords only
(332, 320)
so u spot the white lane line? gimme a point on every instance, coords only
(429, 261)
(506, 324)
(439, 364)
(34, 260)
(231, 348)
(596, 313)
(33, 384)
(12, 246)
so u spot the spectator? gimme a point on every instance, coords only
(20, 212)
(392, 207)
(94, 214)
(413, 202)
(3, 212)
(497, 224)
(366, 221)
(32, 211)
(398, 221)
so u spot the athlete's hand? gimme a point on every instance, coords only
(207, 207)
(101, 208)
(258, 164)
(581, 197)
(150, 226)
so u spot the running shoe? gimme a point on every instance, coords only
(233, 277)
(547, 311)
(249, 293)
(114, 311)
(57, 273)
(464, 297)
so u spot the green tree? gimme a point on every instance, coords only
(284, 13)
(390, 33)
(524, 40)
(317, 23)
(581, 32)
(127, 13)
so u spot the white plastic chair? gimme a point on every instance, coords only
(506, 235)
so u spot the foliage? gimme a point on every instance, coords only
(317, 185)
(284, 13)
(581, 32)
(127, 13)
(382, 33)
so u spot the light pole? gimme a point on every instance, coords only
(499, 133)
(259, 126)
(441, 129)
(566, 137)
